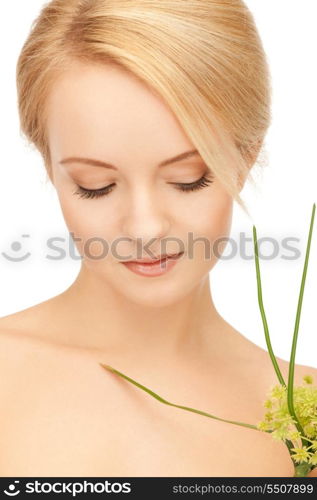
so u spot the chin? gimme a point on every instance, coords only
(156, 292)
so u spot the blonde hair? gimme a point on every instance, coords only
(203, 57)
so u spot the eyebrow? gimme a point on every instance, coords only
(99, 163)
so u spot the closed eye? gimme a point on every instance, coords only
(93, 193)
(204, 181)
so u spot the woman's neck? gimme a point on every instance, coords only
(103, 321)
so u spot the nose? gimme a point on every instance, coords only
(146, 217)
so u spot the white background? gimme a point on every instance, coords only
(280, 207)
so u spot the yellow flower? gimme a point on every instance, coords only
(308, 379)
(310, 430)
(301, 454)
(294, 435)
(278, 391)
(268, 403)
(282, 425)
(280, 433)
(263, 426)
(313, 459)
(269, 416)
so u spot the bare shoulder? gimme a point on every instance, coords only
(18, 333)
(33, 352)
(26, 351)
(34, 369)
(303, 370)
(255, 361)
(14, 352)
(41, 322)
(268, 377)
(300, 371)
(30, 321)
(17, 357)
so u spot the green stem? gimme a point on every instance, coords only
(260, 300)
(290, 388)
(301, 470)
(156, 396)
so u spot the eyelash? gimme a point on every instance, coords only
(204, 181)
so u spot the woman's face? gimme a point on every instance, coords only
(103, 114)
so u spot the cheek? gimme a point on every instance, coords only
(210, 222)
(211, 214)
(92, 227)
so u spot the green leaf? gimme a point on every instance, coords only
(162, 400)
(260, 300)
(290, 388)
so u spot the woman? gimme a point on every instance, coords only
(149, 117)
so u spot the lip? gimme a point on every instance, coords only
(148, 260)
(152, 268)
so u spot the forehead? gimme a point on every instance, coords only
(100, 108)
